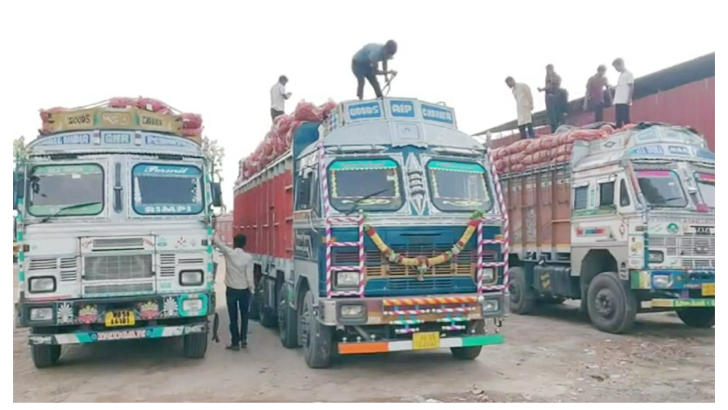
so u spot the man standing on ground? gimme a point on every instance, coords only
(623, 93)
(554, 105)
(240, 286)
(278, 97)
(597, 94)
(524, 107)
(365, 65)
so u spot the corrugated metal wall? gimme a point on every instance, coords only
(690, 105)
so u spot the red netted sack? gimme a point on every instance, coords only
(150, 104)
(516, 158)
(122, 102)
(528, 159)
(190, 120)
(518, 146)
(517, 167)
(326, 108)
(282, 124)
(500, 165)
(306, 111)
(549, 141)
(192, 132)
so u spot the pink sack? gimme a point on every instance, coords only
(190, 120)
(306, 111)
(122, 102)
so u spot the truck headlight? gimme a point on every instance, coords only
(661, 281)
(44, 284)
(192, 305)
(351, 311)
(488, 274)
(490, 305)
(191, 278)
(656, 257)
(41, 314)
(347, 279)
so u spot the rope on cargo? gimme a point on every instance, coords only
(388, 82)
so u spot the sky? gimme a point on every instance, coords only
(220, 58)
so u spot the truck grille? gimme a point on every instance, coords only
(117, 267)
(378, 266)
(697, 251)
(147, 287)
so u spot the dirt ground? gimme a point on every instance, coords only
(554, 357)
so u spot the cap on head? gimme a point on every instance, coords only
(391, 47)
(283, 79)
(510, 81)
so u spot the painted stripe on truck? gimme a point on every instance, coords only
(406, 345)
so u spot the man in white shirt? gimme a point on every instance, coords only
(240, 286)
(524, 107)
(278, 97)
(622, 93)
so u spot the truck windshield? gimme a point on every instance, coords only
(662, 188)
(367, 184)
(458, 186)
(167, 189)
(54, 187)
(706, 185)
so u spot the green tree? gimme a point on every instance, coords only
(214, 154)
(18, 152)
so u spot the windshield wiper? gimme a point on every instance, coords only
(358, 201)
(65, 208)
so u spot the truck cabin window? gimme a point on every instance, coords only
(662, 188)
(580, 197)
(365, 184)
(167, 189)
(65, 190)
(606, 194)
(458, 186)
(706, 186)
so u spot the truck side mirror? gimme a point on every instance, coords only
(18, 188)
(216, 192)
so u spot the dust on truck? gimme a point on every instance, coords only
(114, 210)
(626, 224)
(379, 230)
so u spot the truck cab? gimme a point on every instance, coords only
(397, 234)
(115, 234)
(644, 208)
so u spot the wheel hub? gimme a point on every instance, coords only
(605, 303)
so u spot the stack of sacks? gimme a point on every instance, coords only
(278, 140)
(549, 149)
(191, 123)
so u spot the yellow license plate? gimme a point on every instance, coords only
(425, 340)
(119, 318)
(708, 289)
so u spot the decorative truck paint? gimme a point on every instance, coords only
(380, 229)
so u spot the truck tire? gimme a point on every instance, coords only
(268, 318)
(287, 320)
(702, 317)
(612, 305)
(522, 296)
(194, 345)
(45, 356)
(317, 338)
(470, 353)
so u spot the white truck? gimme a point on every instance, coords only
(114, 227)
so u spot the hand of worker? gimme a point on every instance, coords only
(288, 94)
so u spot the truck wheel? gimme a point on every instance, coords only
(287, 320)
(317, 338)
(268, 318)
(611, 304)
(194, 345)
(45, 355)
(703, 317)
(470, 353)
(522, 295)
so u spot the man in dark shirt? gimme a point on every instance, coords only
(555, 104)
(597, 96)
(365, 65)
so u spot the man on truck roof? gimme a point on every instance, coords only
(597, 96)
(278, 97)
(524, 107)
(365, 65)
(623, 93)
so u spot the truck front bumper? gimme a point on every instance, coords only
(675, 288)
(83, 337)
